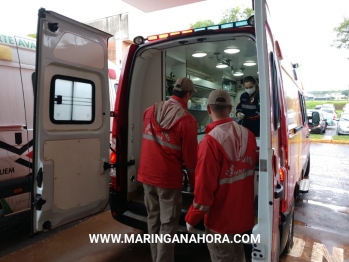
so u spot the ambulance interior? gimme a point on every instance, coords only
(213, 62)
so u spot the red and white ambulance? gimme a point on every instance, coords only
(74, 176)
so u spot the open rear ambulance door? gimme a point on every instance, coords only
(72, 122)
(270, 190)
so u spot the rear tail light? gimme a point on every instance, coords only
(112, 153)
(282, 174)
(283, 206)
(112, 158)
(283, 202)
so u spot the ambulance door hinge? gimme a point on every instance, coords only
(38, 202)
(108, 165)
(258, 251)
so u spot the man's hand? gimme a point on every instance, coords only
(240, 116)
(190, 228)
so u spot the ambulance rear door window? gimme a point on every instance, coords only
(72, 100)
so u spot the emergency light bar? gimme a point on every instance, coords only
(249, 22)
(223, 26)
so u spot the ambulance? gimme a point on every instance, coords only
(75, 177)
(17, 65)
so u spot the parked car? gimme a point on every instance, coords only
(316, 121)
(328, 117)
(343, 124)
(330, 111)
(318, 107)
(346, 107)
(331, 106)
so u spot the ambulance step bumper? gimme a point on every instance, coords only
(304, 186)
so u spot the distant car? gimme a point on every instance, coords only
(316, 121)
(331, 106)
(343, 124)
(318, 107)
(330, 111)
(329, 118)
(346, 107)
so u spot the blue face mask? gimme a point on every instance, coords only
(250, 91)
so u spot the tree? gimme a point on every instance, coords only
(345, 92)
(229, 15)
(202, 23)
(32, 35)
(236, 14)
(342, 31)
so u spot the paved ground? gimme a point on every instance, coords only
(321, 230)
(73, 244)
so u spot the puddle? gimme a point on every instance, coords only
(340, 209)
(316, 187)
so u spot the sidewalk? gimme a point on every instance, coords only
(328, 139)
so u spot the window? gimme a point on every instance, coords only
(303, 108)
(276, 106)
(72, 100)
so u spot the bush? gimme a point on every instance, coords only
(338, 105)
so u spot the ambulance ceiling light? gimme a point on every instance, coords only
(199, 54)
(249, 63)
(231, 50)
(221, 65)
(237, 72)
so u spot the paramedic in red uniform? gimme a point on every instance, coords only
(224, 179)
(169, 141)
(249, 106)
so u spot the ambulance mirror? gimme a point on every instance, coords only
(315, 118)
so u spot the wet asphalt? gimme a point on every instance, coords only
(321, 220)
(326, 206)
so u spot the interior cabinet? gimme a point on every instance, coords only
(177, 66)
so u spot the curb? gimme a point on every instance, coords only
(328, 141)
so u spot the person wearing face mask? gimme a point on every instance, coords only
(247, 111)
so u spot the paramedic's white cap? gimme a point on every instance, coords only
(219, 97)
(184, 84)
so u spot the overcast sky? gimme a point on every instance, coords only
(303, 27)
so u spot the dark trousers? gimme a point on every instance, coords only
(252, 125)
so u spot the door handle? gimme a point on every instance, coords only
(279, 191)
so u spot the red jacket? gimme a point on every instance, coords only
(169, 140)
(224, 179)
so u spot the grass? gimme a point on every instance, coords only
(339, 104)
(341, 138)
(337, 138)
(316, 136)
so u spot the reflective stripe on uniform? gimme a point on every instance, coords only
(231, 180)
(202, 208)
(163, 143)
(249, 106)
